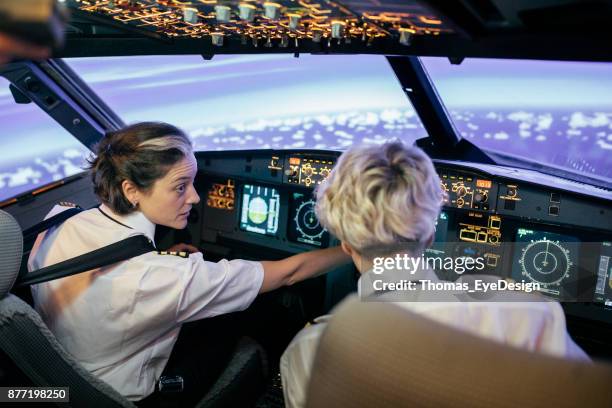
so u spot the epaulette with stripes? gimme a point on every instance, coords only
(182, 254)
(68, 204)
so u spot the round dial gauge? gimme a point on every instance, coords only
(306, 221)
(545, 261)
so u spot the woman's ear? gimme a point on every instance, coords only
(347, 248)
(130, 191)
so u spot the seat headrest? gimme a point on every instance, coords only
(380, 354)
(11, 250)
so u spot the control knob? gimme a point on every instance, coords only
(481, 197)
(307, 171)
(292, 171)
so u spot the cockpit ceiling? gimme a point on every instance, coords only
(463, 28)
(278, 23)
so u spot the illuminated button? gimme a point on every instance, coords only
(555, 198)
(494, 223)
(482, 237)
(467, 235)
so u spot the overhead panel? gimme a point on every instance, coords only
(279, 23)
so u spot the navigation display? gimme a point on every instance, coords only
(260, 209)
(548, 259)
(304, 226)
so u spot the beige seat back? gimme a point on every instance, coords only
(376, 354)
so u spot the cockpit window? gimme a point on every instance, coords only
(36, 150)
(551, 112)
(259, 101)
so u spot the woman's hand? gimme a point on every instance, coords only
(183, 248)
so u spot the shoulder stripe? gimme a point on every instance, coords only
(182, 254)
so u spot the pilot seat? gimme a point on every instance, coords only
(30, 352)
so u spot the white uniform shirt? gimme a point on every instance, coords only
(532, 326)
(121, 321)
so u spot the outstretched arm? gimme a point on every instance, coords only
(301, 266)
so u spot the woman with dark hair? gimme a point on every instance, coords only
(122, 321)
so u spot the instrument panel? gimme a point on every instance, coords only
(468, 191)
(524, 231)
(307, 171)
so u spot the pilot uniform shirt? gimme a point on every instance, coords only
(121, 321)
(537, 326)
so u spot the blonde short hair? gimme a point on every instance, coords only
(379, 197)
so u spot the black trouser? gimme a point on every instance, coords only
(200, 354)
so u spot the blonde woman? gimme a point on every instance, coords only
(383, 202)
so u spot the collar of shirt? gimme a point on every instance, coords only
(368, 282)
(135, 220)
(390, 275)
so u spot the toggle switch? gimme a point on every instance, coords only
(190, 15)
(337, 29)
(247, 12)
(223, 13)
(272, 10)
